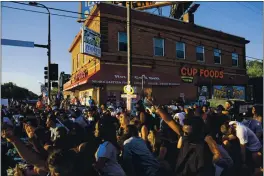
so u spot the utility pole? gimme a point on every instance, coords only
(143, 76)
(48, 46)
(49, 62)
(129, 64)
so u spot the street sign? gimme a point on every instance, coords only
(43, 88)
(17, 43)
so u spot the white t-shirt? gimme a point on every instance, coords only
(246, 136)
(109, 151)
(54, 132)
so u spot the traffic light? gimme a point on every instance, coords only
(46, 72)
(46, 84)
(54, 72)
(55, 84)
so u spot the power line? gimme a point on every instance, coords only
(249, 8)
(26, 10)
(261, 9)
(225, 15)
(51, 8)
(122, 23)
(252, 5)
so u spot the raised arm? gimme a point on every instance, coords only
(171, 123)
(29, 155)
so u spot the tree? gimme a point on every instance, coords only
(11, 90)
(54, 91)
(255, 68)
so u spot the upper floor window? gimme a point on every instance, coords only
(158, 47)
(78, 60)
(234, 59)
(200, 53)
(180, 50)
(84, 59)
(73, 65)
(217, 56)
(122, 41)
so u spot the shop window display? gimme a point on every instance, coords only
(229, 92)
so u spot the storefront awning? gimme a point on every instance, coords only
(117, 74)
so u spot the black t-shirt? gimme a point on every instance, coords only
(172, 152)
(194, 159)
(231, 113)
(149, 121)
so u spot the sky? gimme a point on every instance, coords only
(25, 66)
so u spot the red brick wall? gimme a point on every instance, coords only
(142, 40)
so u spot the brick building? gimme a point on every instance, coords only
(176, 58)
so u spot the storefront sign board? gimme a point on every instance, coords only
(80, 75)
(185, 71)
(91, 42)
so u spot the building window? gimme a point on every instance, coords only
(180, 50)
(217, 56)
(78, 61)
(234, 59)
(158, 47)
(73, 65)
(122, 41)
(200, 53)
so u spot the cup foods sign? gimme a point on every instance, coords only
(91, 42)
(201, 72)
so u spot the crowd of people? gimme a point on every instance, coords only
(176, 140)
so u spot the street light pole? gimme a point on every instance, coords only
(48, 46)
(49, 58)
(129, 64)
(143, 76)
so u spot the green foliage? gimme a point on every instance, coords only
(11, 90)
(255, 68)
(54, 91)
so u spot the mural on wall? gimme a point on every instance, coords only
(203, 91)
(229, 92)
